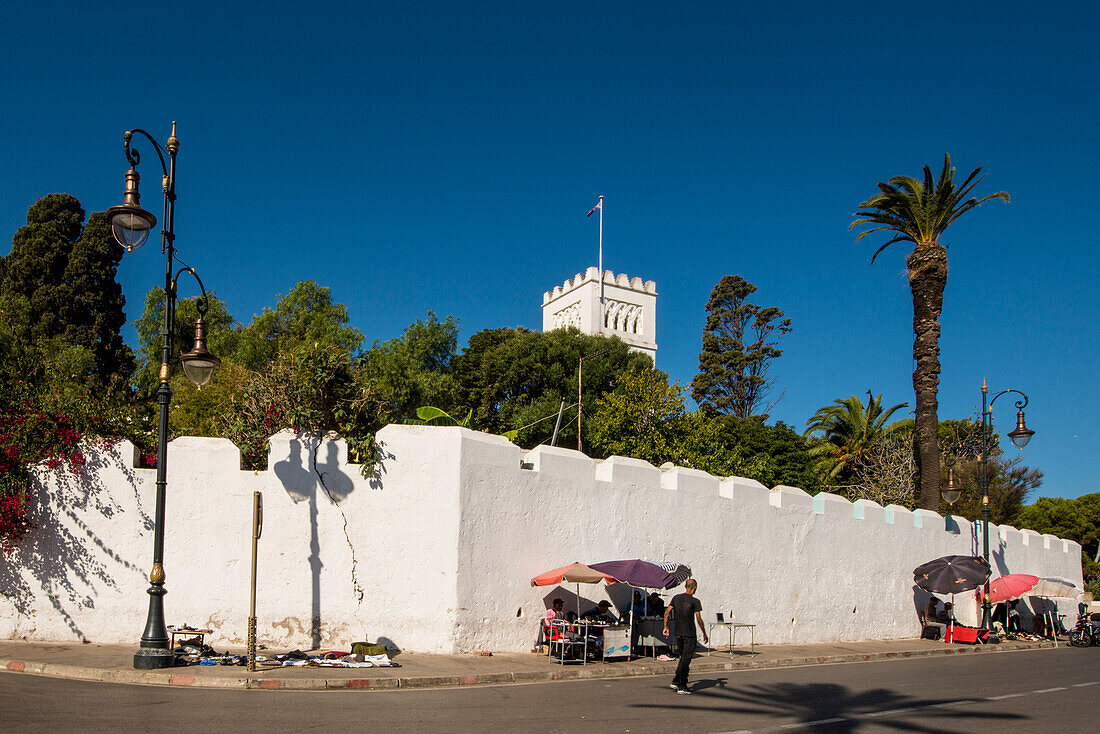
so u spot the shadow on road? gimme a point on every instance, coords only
(830, 706)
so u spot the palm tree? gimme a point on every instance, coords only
(919, 212)
(848, 432)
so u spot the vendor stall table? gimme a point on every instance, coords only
(186, 633)
(733, 627)
(649, 632)
(567, 639)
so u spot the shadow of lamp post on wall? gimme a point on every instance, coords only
(131, 226)
(983, 442)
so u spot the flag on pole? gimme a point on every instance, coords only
(598, 206)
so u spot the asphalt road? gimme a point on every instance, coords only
(1036, 690)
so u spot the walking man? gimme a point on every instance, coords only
(688, 611)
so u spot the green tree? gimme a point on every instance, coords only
(411, 371)
(644, 418)
(517, 378)
(739, 345)
(64, 272)
(1010, 485)
(772, 455)
(305, 315)
(845, 433)
(919, 212)
(1073, 519)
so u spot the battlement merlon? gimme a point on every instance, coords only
(621, 280)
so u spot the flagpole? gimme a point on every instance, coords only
(600, 331)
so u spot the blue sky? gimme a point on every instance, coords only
(443, 155)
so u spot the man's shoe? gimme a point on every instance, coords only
(683, 691)
(673, 686)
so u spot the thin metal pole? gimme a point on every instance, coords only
(257, 530)
(986, 436)
(600, 329)
(580, 404)
(557, 424)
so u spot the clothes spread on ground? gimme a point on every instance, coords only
(206, 655)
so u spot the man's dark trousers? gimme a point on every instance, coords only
(687, 651)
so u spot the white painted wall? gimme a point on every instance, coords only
(435, 552)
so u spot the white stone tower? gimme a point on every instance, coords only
(629, 308)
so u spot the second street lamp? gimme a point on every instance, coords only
(983, 441)
(131, 226)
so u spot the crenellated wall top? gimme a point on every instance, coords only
(560, 466)
(592, 275)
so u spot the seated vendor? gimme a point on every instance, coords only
(931, 617)
(638, 608)
(601, 613)
(552, 614)
(930, 613)
(656, 605)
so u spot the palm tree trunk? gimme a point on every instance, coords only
(927, 279)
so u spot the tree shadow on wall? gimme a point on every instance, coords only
(62, 559)
(311, 469)
(378, 471)
(829, 706)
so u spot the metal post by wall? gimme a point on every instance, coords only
(257, 530)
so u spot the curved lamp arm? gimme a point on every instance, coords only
(204, 302)
(1020, 404)
(134, 157)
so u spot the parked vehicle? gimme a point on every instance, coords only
(1087, 630)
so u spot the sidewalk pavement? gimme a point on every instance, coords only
(113, 664)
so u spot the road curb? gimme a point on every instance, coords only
(185, 679)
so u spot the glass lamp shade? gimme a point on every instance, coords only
(199, 368)
(199, 364)
(949, 491)
(1022, 434)
(130, 225)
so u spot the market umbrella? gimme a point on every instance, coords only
(576, 573)
(637, 572)
(1050, 588)
(951, 574)
(1012, 586)
(679, 571)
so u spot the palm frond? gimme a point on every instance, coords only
(919, 210)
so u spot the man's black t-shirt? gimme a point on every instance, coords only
(684, 606)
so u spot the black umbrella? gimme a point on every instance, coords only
(952, 574)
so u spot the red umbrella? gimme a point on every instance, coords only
(577, 573)
(1012, 586)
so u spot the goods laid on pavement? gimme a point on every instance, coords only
(194, 652)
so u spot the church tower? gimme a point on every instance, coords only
(629, 309)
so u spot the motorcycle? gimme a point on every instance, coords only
(1087, 630)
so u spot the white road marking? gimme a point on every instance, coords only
(1049, 690)
(1082, 685)
(891, 711)
(1007, 695)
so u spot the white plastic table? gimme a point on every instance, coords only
(733, 627)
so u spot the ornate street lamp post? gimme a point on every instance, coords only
(1019, 437)
(131, 226)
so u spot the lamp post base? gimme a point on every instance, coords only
(156, 650)
(154, 658)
